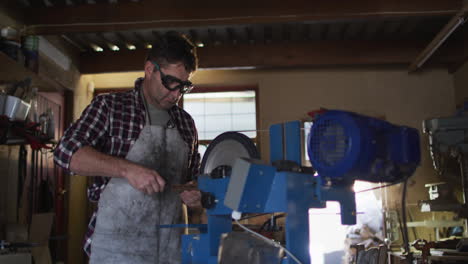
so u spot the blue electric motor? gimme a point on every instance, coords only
(344, 146)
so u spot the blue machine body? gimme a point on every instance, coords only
(255, 187)
(202, 248)
(345, 145)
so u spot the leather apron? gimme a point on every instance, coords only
(127, 226)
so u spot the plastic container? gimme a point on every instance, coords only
(14, 108)
(30, 47)
(9, 33)
(33, 114)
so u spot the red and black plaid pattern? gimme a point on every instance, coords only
(111, 124)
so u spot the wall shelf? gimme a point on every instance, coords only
(12, 71)
(15, 141)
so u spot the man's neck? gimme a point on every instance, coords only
(147, 98)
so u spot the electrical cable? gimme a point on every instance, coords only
(403, 220)
(379, 187)
(400, 225)
(269, 241)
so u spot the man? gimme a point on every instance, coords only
(144, 143)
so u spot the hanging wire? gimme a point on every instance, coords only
(404, 222)
(379, 187)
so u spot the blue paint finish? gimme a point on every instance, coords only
(254, 198)
(292, 137)
(276, 142)
(203, 248)
(404, 147)
(345, 145)
(218, 188)
(195, 250)
(325, 138)
(192, 249)
(277, 200)
(217, 225)
(346, 197)
(301, 191)
(219, 217)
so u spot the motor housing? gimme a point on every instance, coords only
(347, 146)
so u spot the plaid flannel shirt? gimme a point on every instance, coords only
(111, 124)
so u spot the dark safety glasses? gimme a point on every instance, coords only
(173, 83)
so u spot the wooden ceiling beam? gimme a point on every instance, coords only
(58, 3)
(37, 4)
(78, 2)
(141, 41)
(316, 54)
(462, 46)
(74, 42)
(185, 13)
(457, 20)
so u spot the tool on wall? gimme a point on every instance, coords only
(22, 177)
(45, 193)
(342, 146)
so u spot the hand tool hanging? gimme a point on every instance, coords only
(22, 172)
(42, 187)
(45, 196)
(31, 189)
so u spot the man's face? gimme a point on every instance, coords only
(153, 88)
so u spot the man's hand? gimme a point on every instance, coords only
(191, 198)
(89, 162)
(144, 179)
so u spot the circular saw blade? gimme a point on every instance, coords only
(225, 149)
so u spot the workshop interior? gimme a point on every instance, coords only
(331, 132)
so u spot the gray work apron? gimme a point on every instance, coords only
(127, 226)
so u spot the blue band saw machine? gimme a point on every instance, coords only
(342, 147)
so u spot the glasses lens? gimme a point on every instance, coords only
(171, 82)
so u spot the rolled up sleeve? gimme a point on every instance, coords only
(86, 131)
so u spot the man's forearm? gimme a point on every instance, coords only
(89, 162)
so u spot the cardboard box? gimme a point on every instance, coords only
(18, 258)
(41, 226)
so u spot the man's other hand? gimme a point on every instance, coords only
(191, 198)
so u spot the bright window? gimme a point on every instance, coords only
(218, 112)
